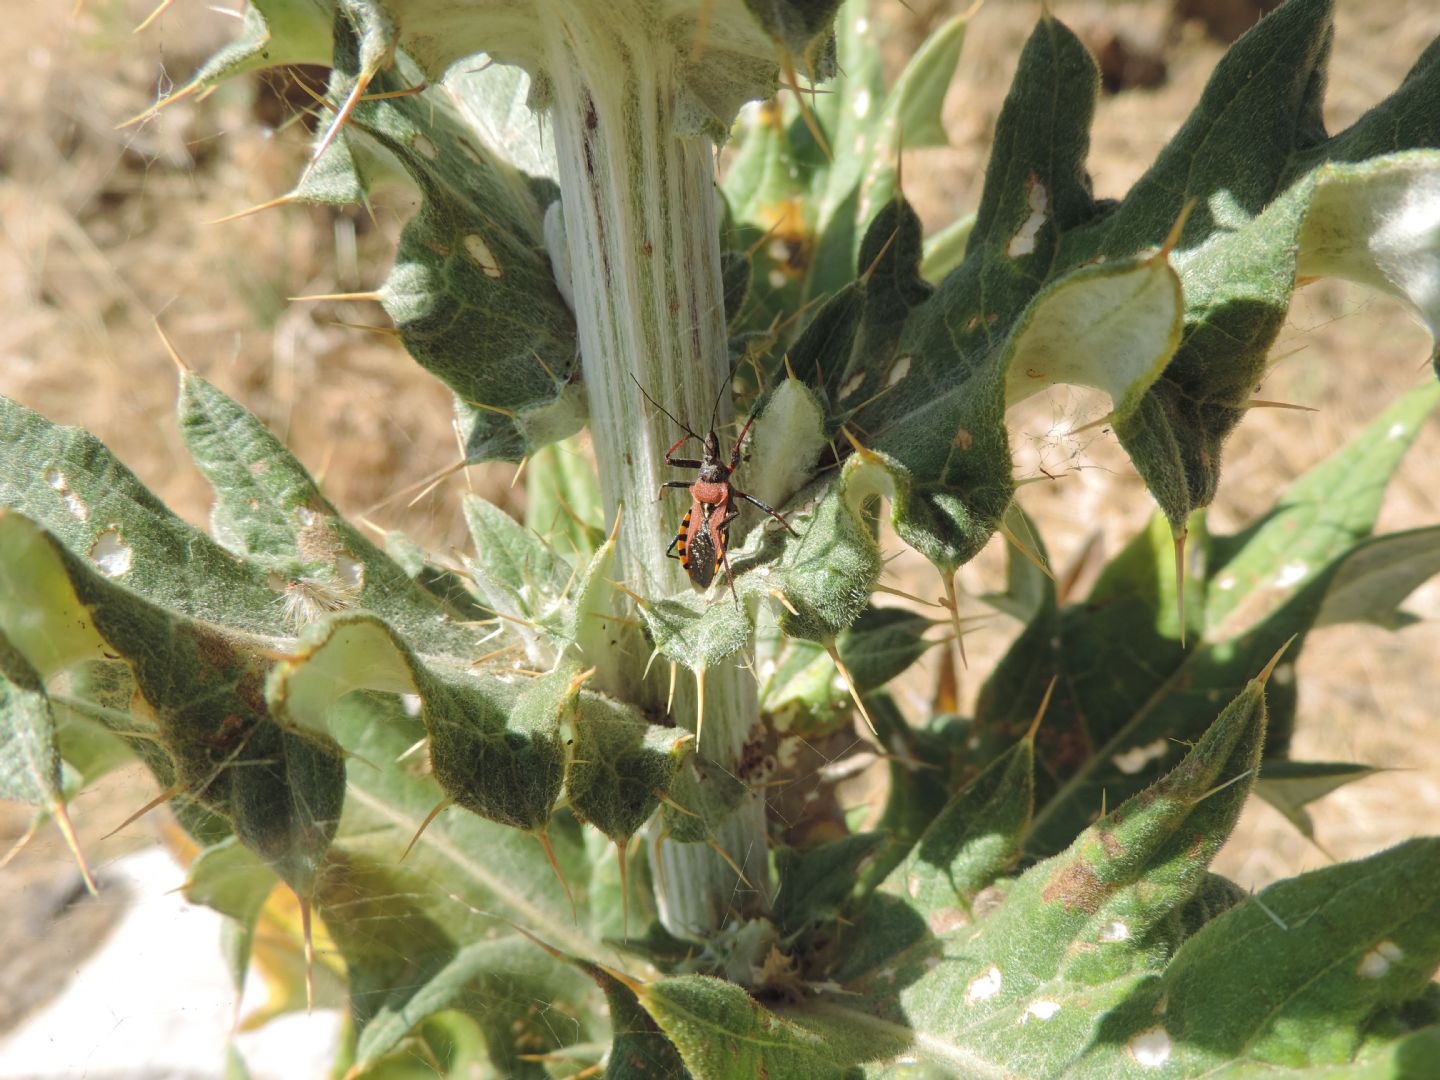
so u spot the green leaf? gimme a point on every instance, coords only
(495, 751)
(721, 1031)
(815, 884)
(620, 766)
(467, 872)
(231, 879)
(29, 749)
(65, 479)
(1377, 577)
(201, 689)
(1326, 955)
(269, 510)
(1290, 786)
(1073, 937)
(975, 838)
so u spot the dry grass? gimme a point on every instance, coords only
(104, 231)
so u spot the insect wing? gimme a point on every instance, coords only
(700, 551)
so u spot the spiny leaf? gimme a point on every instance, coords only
(269, 510)
(65, 479)
(202, 694)
(721, 1031)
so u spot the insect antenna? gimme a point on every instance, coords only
(676, 420)
(720, 394)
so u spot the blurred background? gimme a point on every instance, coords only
(103, 230)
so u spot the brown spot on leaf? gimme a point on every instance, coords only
(963, 439)
(1110, 843)
(946, 919)
(1076, 886)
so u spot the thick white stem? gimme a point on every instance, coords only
(642, 224)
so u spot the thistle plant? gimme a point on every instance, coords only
(526, 802)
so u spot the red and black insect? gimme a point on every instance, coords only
(704, 535)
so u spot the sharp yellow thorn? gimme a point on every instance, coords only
(140, 117)
(855, 443)
(1103, 811)
(305, 933)
(269, 204)
(164, 796)
(19, 845)
(891, 591)
(580, 680)
(492, 408)
(1269, 668)
(670, 695)
(549, 849)
(668, 801)
(433, 478)
(850, 685)
(388, 95)
(439, 807)
(1260, 403)
(160, 9)
(1172, 241)
(639, 600)
(699, 708)
(615, 529)
(702, 27)
(729, 860)
(789, 371)
(541, 361)
(658, 864)
(62, 821)
(653, 654)
(1044, 704)
(371, 295)
(341, 115)
(411, 751)
(875, 262)
(170, 348)
(952, 604)
(1030, 556)
(784, 602)
(806, 114)
(1221, 787)
(621, 850)
(388, 331)
(1180, 536)
(519, 469)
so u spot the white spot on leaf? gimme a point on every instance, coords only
(1226, 582)
(1115, 930)
(484, 258)
(776, 278)
(1023, 242)
(55, 478)
(1151, 1048)
(984, 986)
(111, 554)
(1136, 758)
(862, 103)
(1376, 963)
(350, 572)
(411, 704)
(899, 371)
(305, 516)
(425, 147)
(1040, 1010)
(852, 384)
(1291, 573)
(1397, 430)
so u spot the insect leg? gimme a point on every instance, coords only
(768, 509)
(671, 484)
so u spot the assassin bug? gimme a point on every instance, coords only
(701, 542)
